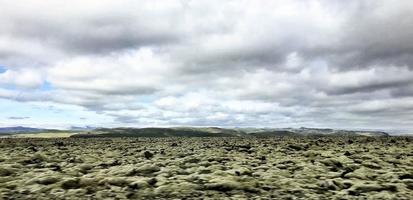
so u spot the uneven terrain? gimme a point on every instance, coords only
(313, 167)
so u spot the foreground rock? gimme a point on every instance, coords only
(207, 168)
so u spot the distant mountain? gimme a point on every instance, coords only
(22, 130)
(221, 132)
(82, 128)
(303, 131)
(328, 131)
(19, 129)
(159, 132)
(268, 133)
(89, 131)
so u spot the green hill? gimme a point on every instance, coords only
(219, 132)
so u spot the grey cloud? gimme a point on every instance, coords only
(301, 64)
(405, 91)
(126, 119)
(115, 91)
(88, 31)
(375, 33)
(94, 39)
(369, 88)
(18, 118)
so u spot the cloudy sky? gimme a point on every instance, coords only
(339, 64)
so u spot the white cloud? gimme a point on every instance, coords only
(128, 73)
(246, 63)
(23, 78)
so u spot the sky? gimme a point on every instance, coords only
(313, 63)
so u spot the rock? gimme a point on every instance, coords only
(223, 186)
(35, 159)
(329, 185)
(89, 182)
(59, 144)
(192, 160)
(47, 180)
(296, 147)
(179, 189)
(79, 192)
(354, 175)
(76, 159)
(334, 164)
(227, 184)
(32, 148)
(117, 181)
(140, 184)
(372, 188)
(272, 171)
(282, 166)
(85, 167)
(147, 154)
(342, 184)
(147, 169)
(71, 184)
(243, 171)
(406, 176)
(371, 165)
(162, 152)
(203, 170)
(152, 181)
(368, 188)
(55, 167)
(311, 154)
(409, 185)
(6, 171)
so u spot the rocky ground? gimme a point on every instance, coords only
(207, 168)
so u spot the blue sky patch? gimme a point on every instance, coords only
(46, 86)
(2, 69)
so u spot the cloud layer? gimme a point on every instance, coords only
(214, 63)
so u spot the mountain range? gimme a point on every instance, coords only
(220, 132)
(190, 132)
(19, 129)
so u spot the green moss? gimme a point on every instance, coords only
(207, 168)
